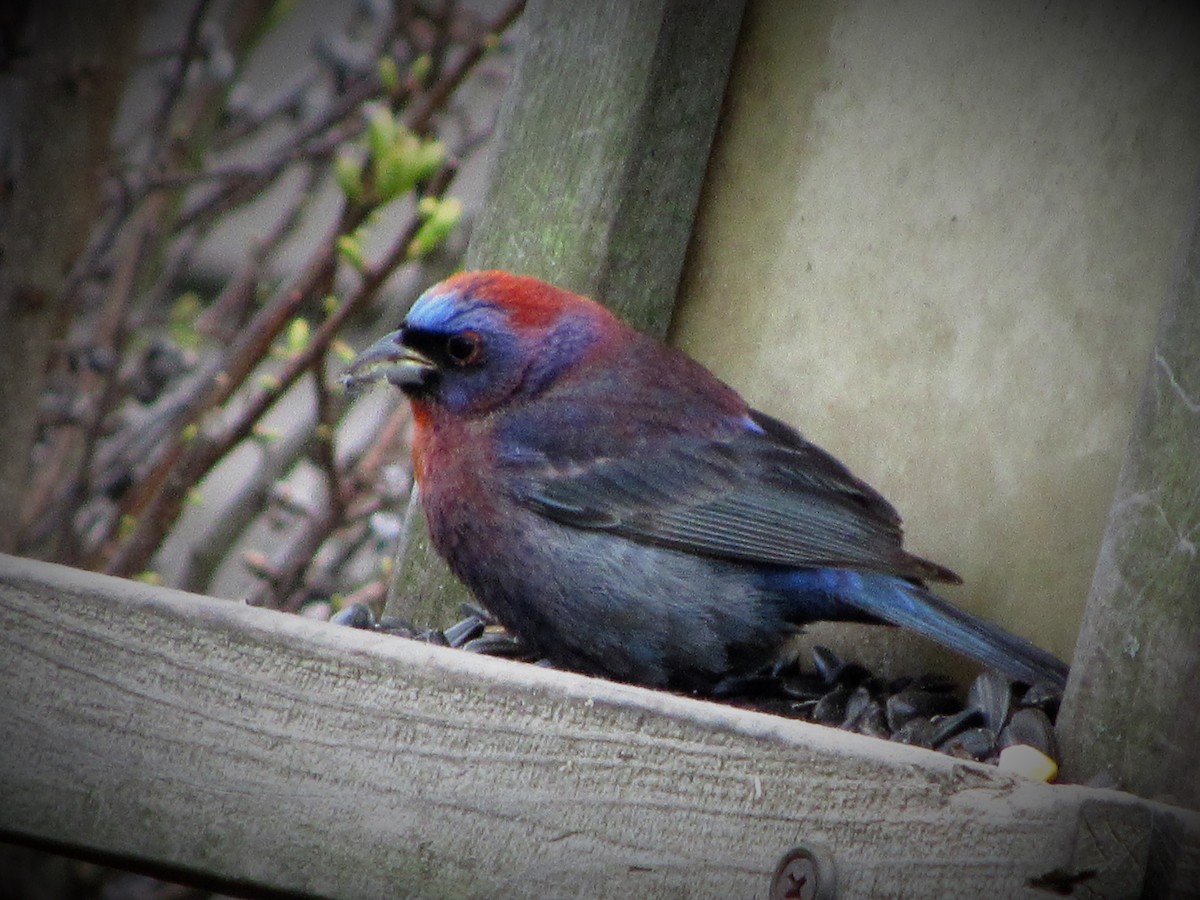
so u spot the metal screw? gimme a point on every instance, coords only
(804, 874)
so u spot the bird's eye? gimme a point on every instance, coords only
(463, 349)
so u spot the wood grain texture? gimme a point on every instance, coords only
(604, 139)
(267, 749)
(1130, 710)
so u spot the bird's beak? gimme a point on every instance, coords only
(389, 359)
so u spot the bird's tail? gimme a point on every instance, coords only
(900, 602)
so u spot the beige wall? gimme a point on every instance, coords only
(935, 237)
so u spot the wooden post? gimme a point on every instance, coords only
(604, 138)
(1129, 710)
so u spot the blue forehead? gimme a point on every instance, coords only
(448, 311)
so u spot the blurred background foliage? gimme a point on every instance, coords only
(283, 176)
(274, 182)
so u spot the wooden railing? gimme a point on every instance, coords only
(200, 735)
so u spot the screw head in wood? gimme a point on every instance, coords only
(804, 874)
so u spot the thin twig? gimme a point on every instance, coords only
(195, 425)
(240, 511)
(159, 126)
(284, 104)
(184, 467)
(431, 101)
(317, 140)
(65, 484)
(327, 419)
(224, 317)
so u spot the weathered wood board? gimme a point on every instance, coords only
(266, 749)
(1138, 654)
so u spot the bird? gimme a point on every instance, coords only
(626, 514)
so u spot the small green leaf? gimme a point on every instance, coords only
(392, 173)
(280, 10)
(389, 74)
(350, 249)
(405, 161)
(347, 172)
(419, 70)
(182, 321)
(428, 158)
(381, 129)
(297, 335)
(440, 218)
(264, 435)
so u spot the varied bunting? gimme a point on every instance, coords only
(625, 513)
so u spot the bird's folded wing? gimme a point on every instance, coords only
(763, 495)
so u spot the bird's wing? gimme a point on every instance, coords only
(762, 495)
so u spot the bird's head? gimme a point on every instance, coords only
(481, 338)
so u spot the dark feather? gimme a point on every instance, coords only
(761, 495)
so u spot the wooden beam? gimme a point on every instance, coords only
(604, 139)
(264, 749)
(1129, 711)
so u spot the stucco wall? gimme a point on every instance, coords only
(936, 238)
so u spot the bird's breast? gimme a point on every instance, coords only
(455, 464)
